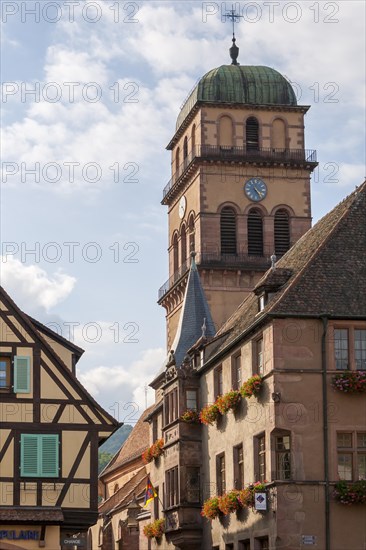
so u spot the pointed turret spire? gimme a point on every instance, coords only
(195, 314)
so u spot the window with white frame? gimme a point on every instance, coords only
(351, 455)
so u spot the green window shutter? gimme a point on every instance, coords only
(39, 455)
(21, 374)
(29, 455)
(49, 456)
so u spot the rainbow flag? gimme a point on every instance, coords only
(150, 493)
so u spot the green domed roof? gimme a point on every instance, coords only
(246, 84)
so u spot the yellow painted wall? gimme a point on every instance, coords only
(71, 443)
(7, 462)
(64, 354)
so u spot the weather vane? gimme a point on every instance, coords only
(234, 18)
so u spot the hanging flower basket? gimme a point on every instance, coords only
(191, 417)
(154, 530)
(229, 401)
(210, 414)
(210, 509)
(229, 502)
(350, 381)
(350, 493)
(252, 386)
(154, 451)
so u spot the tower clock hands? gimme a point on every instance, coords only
(258, 192)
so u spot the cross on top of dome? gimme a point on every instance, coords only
(234, 18)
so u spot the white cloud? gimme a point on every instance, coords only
(32, 287)
(121, 388)
(351, 175)
(175, 44)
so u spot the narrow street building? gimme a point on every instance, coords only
(261, 401)
(50, 432)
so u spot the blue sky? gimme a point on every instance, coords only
(109, 79)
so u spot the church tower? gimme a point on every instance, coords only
(240, 185)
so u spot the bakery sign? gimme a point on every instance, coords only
(19, 534)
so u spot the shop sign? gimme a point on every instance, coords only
(19, 535)
(260, 502)
(73, 542)
(308, 540)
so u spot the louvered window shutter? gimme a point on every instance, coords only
(39, 455)
(228, 230)
(255, 233)
(49, 456)
(21, 374)
(29, 456)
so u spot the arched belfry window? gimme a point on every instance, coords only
(185, 148)
(252, 134)
(191, 234)
(228, 230)
(175, 253)
(281, 232)
(255, 232)
(183, 244)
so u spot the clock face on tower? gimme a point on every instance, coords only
(182, 207)
(255, 189)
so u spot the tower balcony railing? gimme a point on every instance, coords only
(237, 154)
(212, 260)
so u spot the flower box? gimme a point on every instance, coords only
(229, 502)
(154, 451)
(252, 386)
(246, 496)
(232, 501)
(154, 529)
(210, 414)
(191, 417)
(350, 493)
(210, 509)
(350, 381)
(229, 401)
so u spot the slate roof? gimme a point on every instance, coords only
(328, 266)
(194, 313)
(133, 447)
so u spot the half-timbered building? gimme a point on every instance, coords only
(50, 432)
